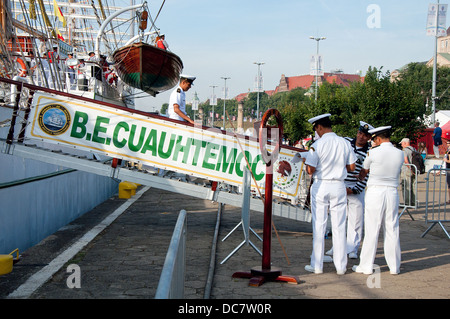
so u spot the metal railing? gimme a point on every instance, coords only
(437, 204)
(171, 282)
(408, 189)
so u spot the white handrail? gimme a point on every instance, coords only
(137, 36)
(108, 20)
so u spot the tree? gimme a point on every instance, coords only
(250, 103)
(294, 111)
(377, 101)
(419, 76)
(164, 108)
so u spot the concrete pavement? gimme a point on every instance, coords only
(125, 259)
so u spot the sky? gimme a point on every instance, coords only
(218, 39)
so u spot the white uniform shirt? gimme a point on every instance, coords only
(330, 155)
(385, 163)
(177, 97)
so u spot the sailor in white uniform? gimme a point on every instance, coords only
(328, 161)
(384, 163)
(356, 191)
(177, 101)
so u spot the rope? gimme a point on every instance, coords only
(100, 23)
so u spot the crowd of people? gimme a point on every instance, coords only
(353, 182)
(81, 72)
(64, 73)
(355, 185)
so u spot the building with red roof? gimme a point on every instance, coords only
(307, 81)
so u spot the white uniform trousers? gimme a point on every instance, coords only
(328, 196)
(381, 209)
(355, 221)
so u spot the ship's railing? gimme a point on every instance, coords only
(171, 282)
(90, 77)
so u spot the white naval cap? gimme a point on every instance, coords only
(190, 78)
(365, 127)
(379, 130)
(313, 120)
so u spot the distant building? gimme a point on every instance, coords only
(307, 81)
(242, 96)
(443, 51)
(443, 56)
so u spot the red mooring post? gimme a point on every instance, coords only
(267, 228)
(259, 275)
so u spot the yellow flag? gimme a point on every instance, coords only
(58, 13)
(59, 35)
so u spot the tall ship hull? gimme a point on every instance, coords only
(38, 198)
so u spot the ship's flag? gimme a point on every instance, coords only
(59, 13)
(59, 35)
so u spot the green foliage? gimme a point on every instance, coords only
(419, 76)
(164, 108)
(378, 101)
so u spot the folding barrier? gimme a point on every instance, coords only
(437, 204)
(408, 189)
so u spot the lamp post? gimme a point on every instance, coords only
(224, 99)
(195, 103)
(433, 88)
(212, 103)
(317, 39)
(258, 79)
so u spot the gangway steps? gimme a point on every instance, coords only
(202, 190)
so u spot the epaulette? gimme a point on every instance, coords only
(312, 149)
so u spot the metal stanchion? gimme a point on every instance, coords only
(260, 274)
(245, 218)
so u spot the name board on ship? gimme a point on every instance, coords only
(153, 141)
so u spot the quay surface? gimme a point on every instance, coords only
(125, 258)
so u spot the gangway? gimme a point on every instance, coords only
(72, 131)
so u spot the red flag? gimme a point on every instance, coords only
(58, 34)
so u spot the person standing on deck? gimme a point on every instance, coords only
(177, 101)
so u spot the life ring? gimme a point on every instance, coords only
(23, 70)
(266, 156)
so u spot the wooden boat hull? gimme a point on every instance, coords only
(147, 67)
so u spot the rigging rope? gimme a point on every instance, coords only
(32, 8)
(100, 23)
(44, 14)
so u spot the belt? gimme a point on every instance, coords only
(380, 186)
(329, 180)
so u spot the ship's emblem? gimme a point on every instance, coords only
(286, 173)
(54, 119)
